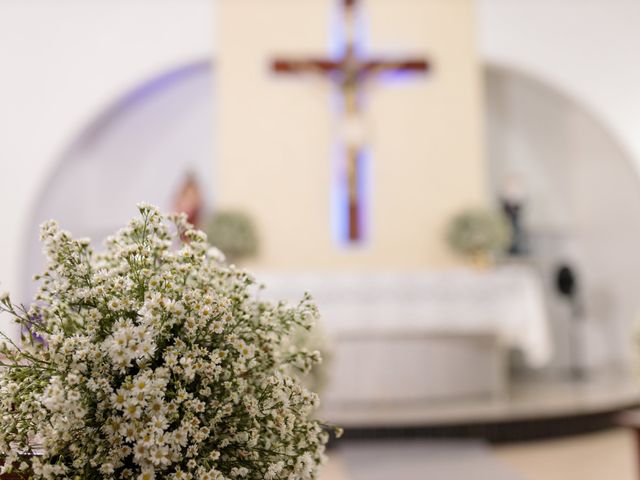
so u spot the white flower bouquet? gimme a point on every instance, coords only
(153, 360)
(312, 339)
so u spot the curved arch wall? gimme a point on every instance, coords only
(141, 149)
(582, 206)
(588, 49)
(62, 63)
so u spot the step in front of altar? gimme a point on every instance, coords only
(414, 366)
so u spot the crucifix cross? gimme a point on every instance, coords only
(349, 72)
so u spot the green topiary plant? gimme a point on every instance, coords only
(234, 233)
(478, 232)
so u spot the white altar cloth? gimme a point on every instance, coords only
(507, 302)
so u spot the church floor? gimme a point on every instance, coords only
(604, 455)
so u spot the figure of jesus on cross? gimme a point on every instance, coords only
(349, 72)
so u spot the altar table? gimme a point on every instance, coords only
(405, 336)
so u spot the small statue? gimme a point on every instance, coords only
(189, 200)
(512, 200)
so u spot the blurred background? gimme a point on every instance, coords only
(454, 181)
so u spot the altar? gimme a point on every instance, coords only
(423, 335)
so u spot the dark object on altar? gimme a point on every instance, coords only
(513, 211)
(567, 284)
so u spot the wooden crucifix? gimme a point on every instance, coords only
(349, 72)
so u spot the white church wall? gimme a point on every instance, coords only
(63, 63)
(587, 48)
